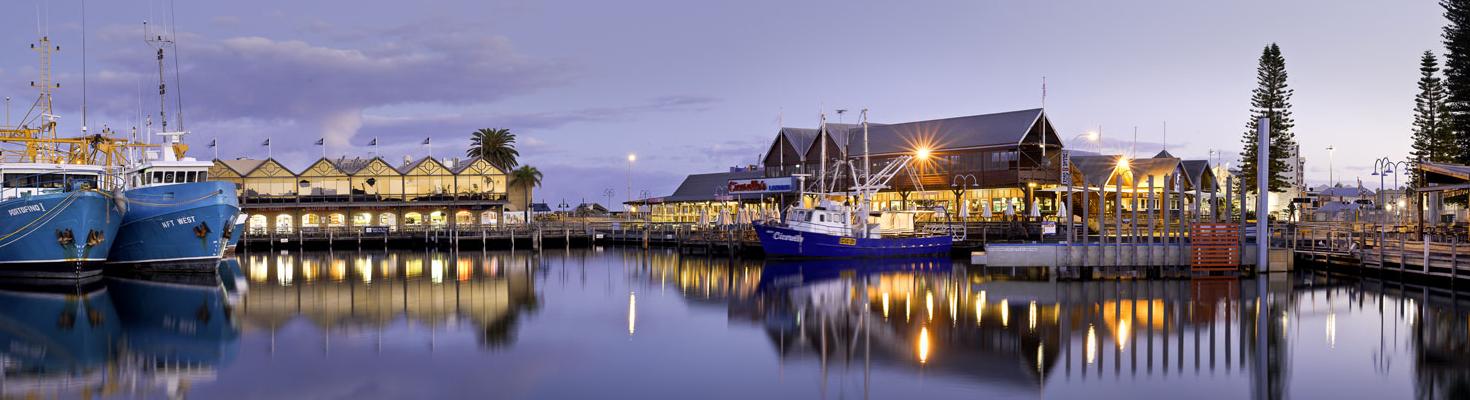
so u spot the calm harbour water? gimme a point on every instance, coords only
(621, 323)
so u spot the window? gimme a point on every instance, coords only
(157, 177)
(168, 177)
(203, 176)
(189, 176)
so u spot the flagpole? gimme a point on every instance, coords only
(215, 144)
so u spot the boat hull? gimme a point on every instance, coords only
(57, 235)
(175, 227)
(781, 242)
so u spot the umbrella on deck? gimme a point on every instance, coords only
(964, 212)
(985, 210)
(1035, 210)
(703, 218)
(1062, 213)
(1010, 209)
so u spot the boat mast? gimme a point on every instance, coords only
(822, 168)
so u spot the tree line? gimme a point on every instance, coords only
(1441, 128)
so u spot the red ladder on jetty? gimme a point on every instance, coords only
(1214, 247)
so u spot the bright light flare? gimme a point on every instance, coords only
(922, 153)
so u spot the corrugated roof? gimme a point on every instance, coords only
(704, 187)
(243, 166)
(1452, 170)
(959, 132)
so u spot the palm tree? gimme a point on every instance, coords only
(496, 146)
(526, 177)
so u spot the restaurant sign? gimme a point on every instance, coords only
(760, 185)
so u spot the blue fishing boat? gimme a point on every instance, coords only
(176, 219)
(55, 219)
(811, 234)
(829, 229)
(233, 233)
(54, 222)
(179, 320)
(58, 339)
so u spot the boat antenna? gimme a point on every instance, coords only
(159, 42)
(173, 26)
(84, 67)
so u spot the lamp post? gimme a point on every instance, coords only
(1382, 168)
(962, 183)
(631, 158)
(1331, 170)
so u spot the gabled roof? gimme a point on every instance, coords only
(271, 167)
(384, 167)
(801, 139)
(1096, 170)
(416, 163)
(242, 166)
(478, 164)
(1164, 154)
(996, 129)
(322, 167)
(1099, 170)
(1196, 170)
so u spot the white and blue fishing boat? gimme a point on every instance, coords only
(59, 340)
(55, 219)
(829, 229)
(175, 217)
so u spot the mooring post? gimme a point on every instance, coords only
(1118, 218)
(1133, 224)
(1167, 214)
(1086, 219)
(1152, 205)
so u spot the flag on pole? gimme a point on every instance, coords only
(426, 141)
(213, 142)
(267, 143)
(321, 142)
(374, 142)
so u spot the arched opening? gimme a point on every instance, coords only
(362, 219)
(257, 224)
(337, 220)
(413, 219)
(464, 218)
(389, 220)
(489, 217)
(285, 223)
(310, 220)
(437, 218)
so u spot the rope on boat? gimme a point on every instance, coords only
(48, 216)
(131, 200)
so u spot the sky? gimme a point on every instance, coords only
(695, 87)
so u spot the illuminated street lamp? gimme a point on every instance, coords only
(631, 158)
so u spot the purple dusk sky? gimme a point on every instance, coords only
(699, 86)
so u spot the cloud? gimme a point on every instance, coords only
(298, 90)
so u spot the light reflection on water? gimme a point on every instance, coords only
(613, 323)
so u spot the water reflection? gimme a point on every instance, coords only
(1081, 337)
(133, 337)
(488, 292)
(662, 325)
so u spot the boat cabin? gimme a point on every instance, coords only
(164, 168)
(25, 179)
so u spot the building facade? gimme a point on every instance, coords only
(350, 195)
